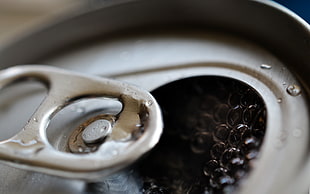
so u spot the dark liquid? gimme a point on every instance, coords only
(214, 127)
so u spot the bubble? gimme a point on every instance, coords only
(265, 66)
(205, 122)
(201, 142)
(250, 143)
(258, 133)
(248, 114)
(240, 173)
(236, 163)
(226, 180)
(241, 128)
(220, 119)
(250, 98)
(221, 132)
(234, 116)
(260, 119)
(191, 122)
(246, 134)
(279, 100)
(229, 154)
(213, 183)
(234, 99)
(251, 154)
(293, 90)
(220, 112)
(210, 166)
(217, 150)
(234, 138)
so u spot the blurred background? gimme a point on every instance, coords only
(300, 7)
(17, 17)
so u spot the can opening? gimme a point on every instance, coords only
(214, 127)
(19, 101)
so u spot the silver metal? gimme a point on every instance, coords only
(30, 148)
(177, 39)
(96, 131)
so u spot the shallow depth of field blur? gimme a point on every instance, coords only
(18, 17)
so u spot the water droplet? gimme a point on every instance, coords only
(297, 132)
(124, 55)
(80, 110)
(281, 139)
(265, 66)
(35, 119)
(241, 128)
(293, 90)
(80, 149)
(149, 103)
(279, 100)
(115, 152)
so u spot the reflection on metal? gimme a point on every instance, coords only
(31, 150)
(176, 39)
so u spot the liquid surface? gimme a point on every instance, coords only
(214, 128)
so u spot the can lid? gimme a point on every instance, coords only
(30, 149)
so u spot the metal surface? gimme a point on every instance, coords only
(165, 41)
(30, 149)
(96, 131)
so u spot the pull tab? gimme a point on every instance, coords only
(29, 149)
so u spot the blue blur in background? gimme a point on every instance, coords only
(300, 7)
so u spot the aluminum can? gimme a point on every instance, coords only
(215, 58)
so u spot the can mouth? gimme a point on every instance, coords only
(214, 128)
